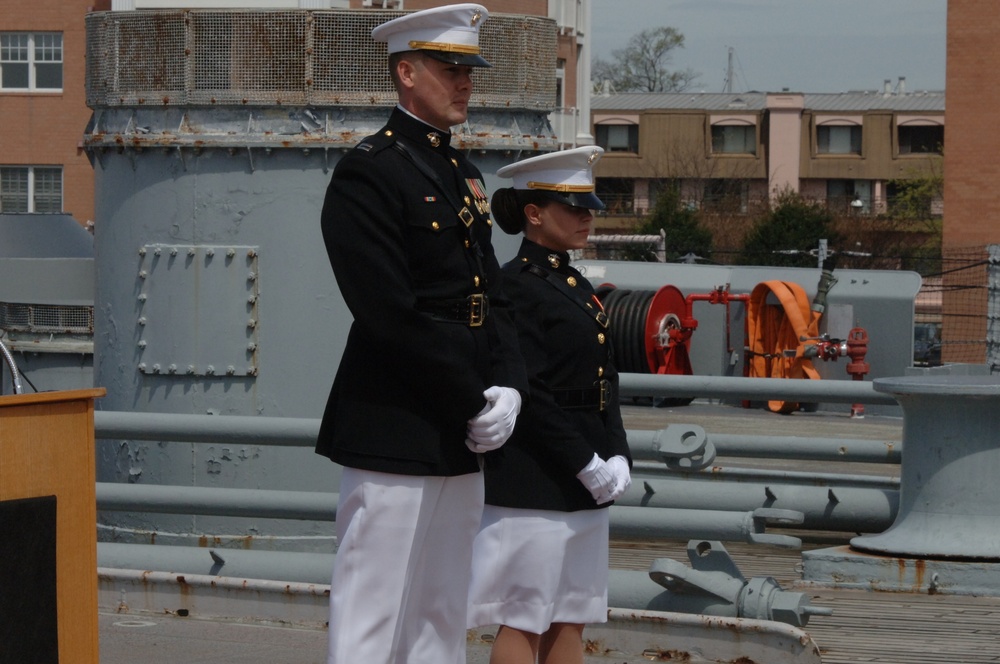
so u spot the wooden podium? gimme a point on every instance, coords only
(48, 528)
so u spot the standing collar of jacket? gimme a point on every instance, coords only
(539, 255)
(418, 132)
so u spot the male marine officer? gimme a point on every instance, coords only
(431, 375)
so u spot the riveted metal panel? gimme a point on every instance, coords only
(197, 310)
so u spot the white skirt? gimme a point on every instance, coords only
(532, 568)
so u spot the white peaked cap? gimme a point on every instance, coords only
(567, 172)
(451, 31)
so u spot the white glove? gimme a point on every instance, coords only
(493, 425)
(598, 479)
(623, 476)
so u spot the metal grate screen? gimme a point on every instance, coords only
(46, 318)
(247, 57)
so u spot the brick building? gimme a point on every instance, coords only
(42, 110)
(970, 183)
(971, 165)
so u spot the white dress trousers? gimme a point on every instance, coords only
(401, 573)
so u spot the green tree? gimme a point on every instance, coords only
(644, 64)
(679, 226)
(788, 232)
(914, 198)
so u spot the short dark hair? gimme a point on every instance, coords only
(394, 59)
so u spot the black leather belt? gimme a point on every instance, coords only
(584, 398)
(471, 310)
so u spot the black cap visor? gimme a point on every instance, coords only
(576, 199)
(466, 59)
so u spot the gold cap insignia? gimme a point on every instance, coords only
(476, 16)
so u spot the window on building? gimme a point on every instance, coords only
(851, 197)
(560, 75)
(734, 139)
(838, 139)
(31, 61)
(616, 193)
(618, 138)
(27, 189)
(722, 195)
(921, 139)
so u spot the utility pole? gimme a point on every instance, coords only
(727, 87)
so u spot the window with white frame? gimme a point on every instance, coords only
(838, 139)
(734, 139)
(31, 61)
(31, 189)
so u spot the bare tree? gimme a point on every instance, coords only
(644, 64)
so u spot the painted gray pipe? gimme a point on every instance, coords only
(806, 449)
(288, 566)
(759, 475)
(161, 499)
(315, 506)
(862, 509)
(674, 441)
(234, 429)
(721, 387)
(676, 507)
(651, 446)
(659, 523)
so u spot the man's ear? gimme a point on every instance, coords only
(405, 69)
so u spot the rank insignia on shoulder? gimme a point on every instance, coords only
(365, 147)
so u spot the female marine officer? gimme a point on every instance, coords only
(540, 561)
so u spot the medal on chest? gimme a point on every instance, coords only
(479, 197)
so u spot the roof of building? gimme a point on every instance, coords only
(756, 101)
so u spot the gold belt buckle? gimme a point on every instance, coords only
(477, 309)
(605, 393)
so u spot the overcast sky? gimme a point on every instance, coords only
(803, 45)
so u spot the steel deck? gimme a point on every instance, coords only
(866, 626)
